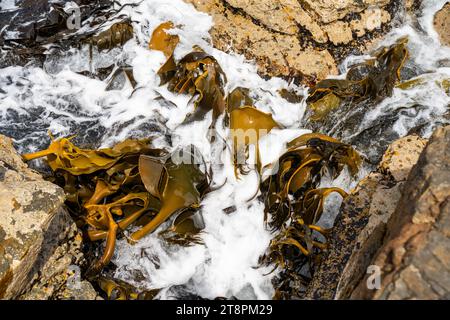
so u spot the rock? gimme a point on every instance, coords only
(415, 257)
(29, 23)
(38, 239)
(362, 221)
(297, 38)
(401, 155)
(442, 24)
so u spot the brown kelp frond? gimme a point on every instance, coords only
(163, 41)
(185, 229)
(312, 204)
(197, 74)
(290, 95)
(178, 186)
(120, 290)
(322, 107)
(248, 125)
(368, 80)
(63, 154)
(108, 190)
(200, 75)
(116, 35)
(292, 244)
(335, 152)
(238, 98)
(294, 204)
(300, 169)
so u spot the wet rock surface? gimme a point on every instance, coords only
(414, 258)
(30, 24)
(362, 222)
(442, 24)
(297, 38)
(38, 239)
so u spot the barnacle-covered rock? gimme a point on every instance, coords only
(442, 24)
(297, 38)
(414, 259)
(361, 224)
(38, 239)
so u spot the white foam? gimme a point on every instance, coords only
(7, 5)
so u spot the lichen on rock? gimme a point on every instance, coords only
(442, 24)
(414, 259)
(362, 222)
(38, 239)
(290, 38)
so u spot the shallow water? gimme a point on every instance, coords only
(56, 98)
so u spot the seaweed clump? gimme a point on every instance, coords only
(134, 187)
(294, 205)
(198, 74)
(129, 185)
(370, 80)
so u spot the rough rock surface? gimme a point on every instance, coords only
(38, 240)
(442, 24)
(362, 221)
(415, 257)
(297, 37)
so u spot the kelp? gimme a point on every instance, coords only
(116, 35)
(177, 186)
(248, 125)
(371, 79)
(120, 290)
(163, 41)
(239, 97)
(445, 84)
(110, 189)
(185, 229)
(300, 169)
(294, 203)
(322, 107)
(63, 154)
(198, 74)
(290, 95)
(411, 83)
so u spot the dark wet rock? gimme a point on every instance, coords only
(346, 124)
(349, 124)
(38, 239)
(361, 224)
(415, 256)
(36, 20)
(32, 23)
